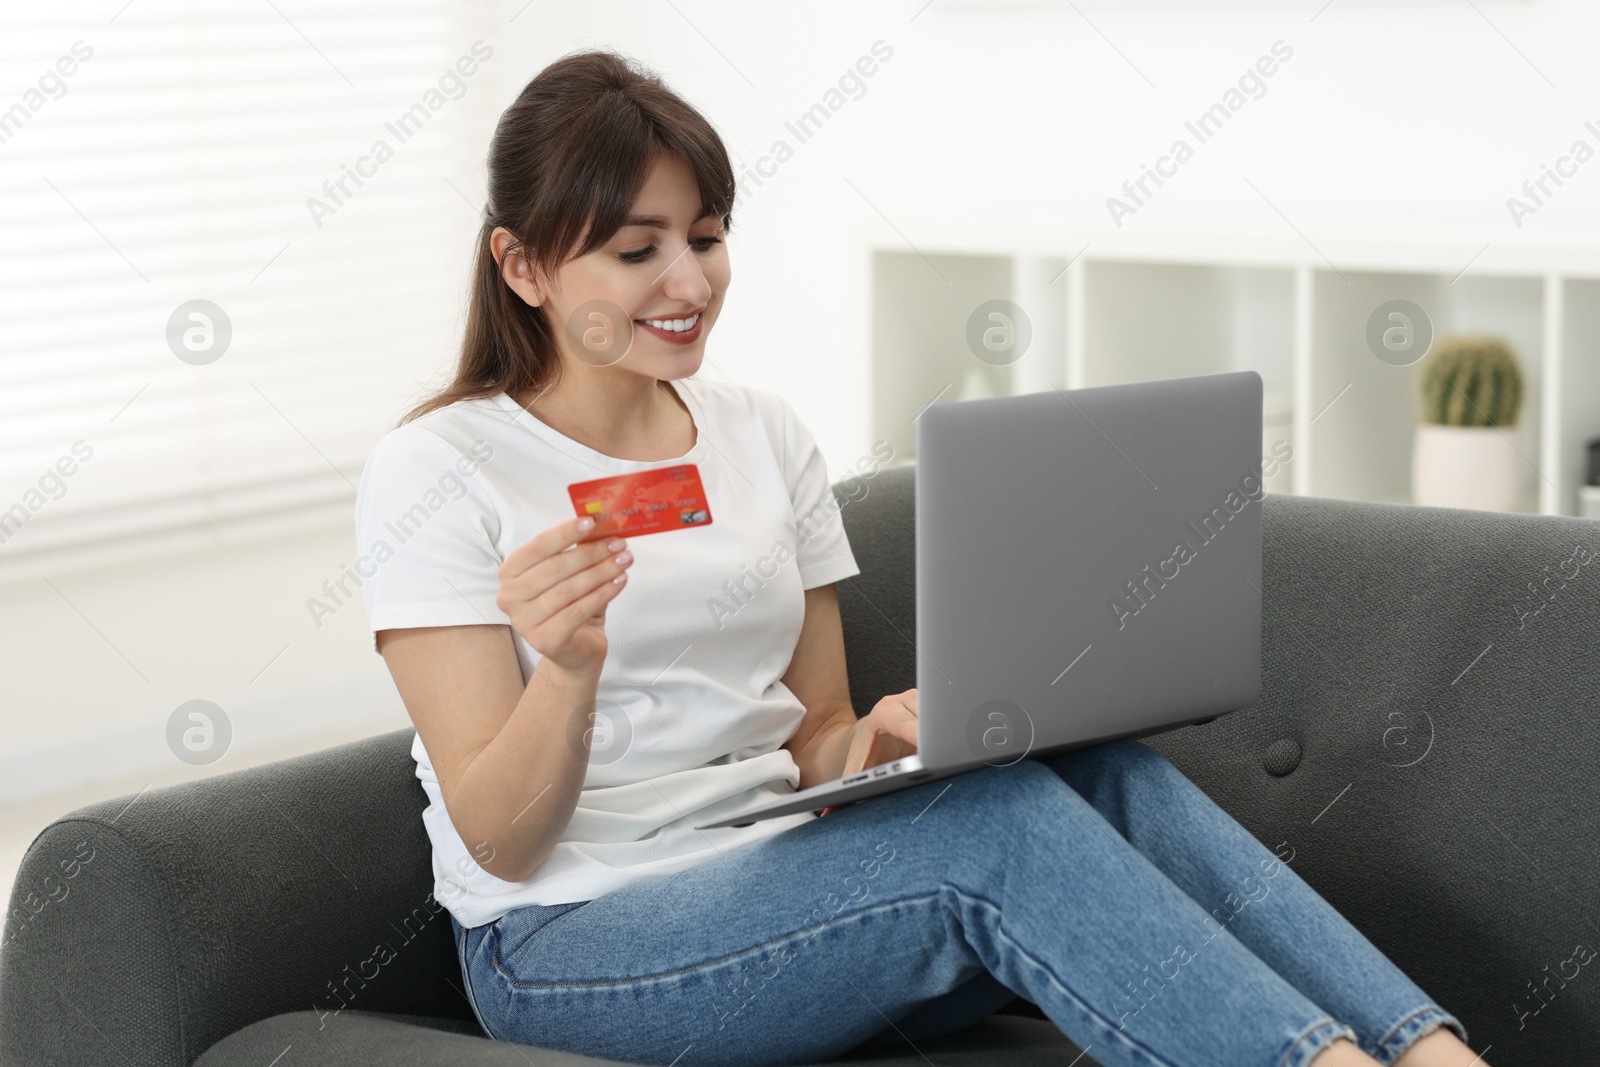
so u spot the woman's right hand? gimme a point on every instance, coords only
(556, 594)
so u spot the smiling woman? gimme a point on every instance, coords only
(579, 709)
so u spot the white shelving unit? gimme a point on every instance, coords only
(1205, 303)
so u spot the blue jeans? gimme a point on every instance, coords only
(1102, 885)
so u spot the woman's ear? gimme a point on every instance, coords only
(515, 269)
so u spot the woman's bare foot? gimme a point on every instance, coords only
(1439, 1048)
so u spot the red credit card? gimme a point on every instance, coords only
(644, 502)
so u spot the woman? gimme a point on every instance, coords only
(570, 728)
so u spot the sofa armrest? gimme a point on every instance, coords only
(142, 930)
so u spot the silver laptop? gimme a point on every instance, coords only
(1088, 567)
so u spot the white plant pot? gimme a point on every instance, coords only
(1466, 467)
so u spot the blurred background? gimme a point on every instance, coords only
(220, 290)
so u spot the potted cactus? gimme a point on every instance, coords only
(1464, 456)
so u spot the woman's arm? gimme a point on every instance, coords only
(817, 676)
(510, 782)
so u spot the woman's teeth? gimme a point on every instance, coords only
(675, 325)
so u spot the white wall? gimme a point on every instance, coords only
(1415, 118)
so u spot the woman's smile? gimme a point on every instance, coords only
(683, 330)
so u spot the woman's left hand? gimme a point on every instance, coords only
(886, 733)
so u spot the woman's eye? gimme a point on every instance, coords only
(642, 254)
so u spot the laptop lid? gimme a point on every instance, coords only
(1088, 564)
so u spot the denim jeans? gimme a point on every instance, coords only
(1102, 885)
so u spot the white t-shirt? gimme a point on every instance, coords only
(690, 710)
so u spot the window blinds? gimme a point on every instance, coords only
(304, 177)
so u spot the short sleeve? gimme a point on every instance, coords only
(426, 535)
(823, 552)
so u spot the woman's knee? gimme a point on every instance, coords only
(1136, 757)
(1121, 758)
(1025, 786)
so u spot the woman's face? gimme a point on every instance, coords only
(618, 305)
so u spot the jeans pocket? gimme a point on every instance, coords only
(512, 931)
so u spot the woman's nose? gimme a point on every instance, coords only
(685, 280)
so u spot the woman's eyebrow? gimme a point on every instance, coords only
(657, 222)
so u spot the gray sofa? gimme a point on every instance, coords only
(1425, 743)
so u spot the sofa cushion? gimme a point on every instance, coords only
(359, 1039)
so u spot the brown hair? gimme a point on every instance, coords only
(572, 150)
